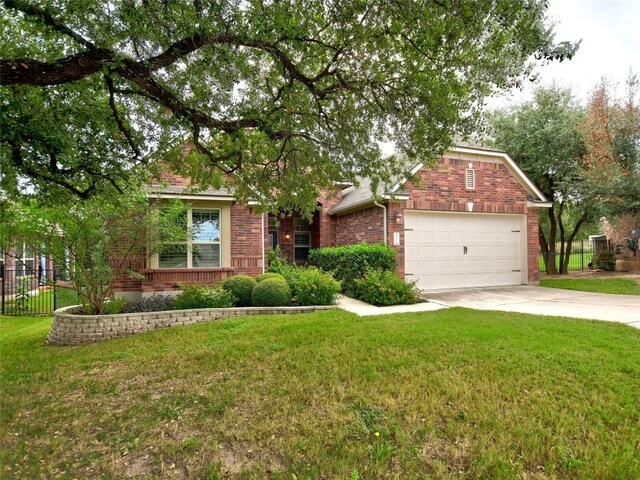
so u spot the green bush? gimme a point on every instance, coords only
(113, 306)
(351, 262)
(315, 287)
(276, 259)
(385, 288)
(265, 276)
(241, 287)
(201, 296)
(272, 292)
(605, 259)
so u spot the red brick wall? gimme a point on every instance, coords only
(247, 242)
(443, 188)
(395, 223)
(285, 228)
(360, 226)
(533, 249)
(173, 179)
(327, 223)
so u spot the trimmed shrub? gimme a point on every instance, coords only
(385, 288)
(315, 287)
(154, 303)
(605, 259)
(265, 276)
(200, 296)
(272, 292)
(350, 262)
(241, 287)
(276, 259)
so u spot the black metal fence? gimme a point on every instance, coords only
(33, 292)
(582, 254)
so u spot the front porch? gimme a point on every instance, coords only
(295, 235)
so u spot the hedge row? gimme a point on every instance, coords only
(351, 262)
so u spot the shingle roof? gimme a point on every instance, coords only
(354, 196)
(175, 190)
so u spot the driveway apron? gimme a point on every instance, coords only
(545, 301)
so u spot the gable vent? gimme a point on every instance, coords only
(471, 178)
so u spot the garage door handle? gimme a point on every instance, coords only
(465, 250)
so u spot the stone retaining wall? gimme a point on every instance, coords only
(73, 329)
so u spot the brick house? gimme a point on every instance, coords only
(469, 221)
(619, 232)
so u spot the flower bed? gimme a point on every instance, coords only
(70, 328)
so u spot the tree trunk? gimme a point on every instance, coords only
(565, 266)
(550, 262)
(544, 246)
(562, 249)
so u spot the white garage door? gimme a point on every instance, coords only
(444, 250)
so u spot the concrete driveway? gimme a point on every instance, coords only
(545, 301)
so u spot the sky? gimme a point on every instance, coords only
(610, 33)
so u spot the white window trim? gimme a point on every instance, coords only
(190, 242)
(21, 262)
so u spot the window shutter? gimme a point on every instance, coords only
(471, 178)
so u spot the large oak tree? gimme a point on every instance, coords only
(287, 95)
(586, 161)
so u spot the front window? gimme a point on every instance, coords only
(202, 249)
(302, 246)
(24, 261)
(301, 240)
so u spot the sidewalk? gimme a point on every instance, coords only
(364, 309)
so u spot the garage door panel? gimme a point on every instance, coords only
(435, 254)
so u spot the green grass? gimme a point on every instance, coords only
(449, 394)
(622, 286)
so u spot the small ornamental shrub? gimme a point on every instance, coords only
(272, 292)
(291, 274)
(276, 259)
(200, 296)
(315, 287)
(155, 303)
(348, 263)
(385, 288)
(241, 287)
(265, 276)
(113, 306)
(605, 259)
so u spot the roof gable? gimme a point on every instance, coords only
(356, 197)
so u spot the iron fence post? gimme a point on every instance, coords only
(53, 280)
(2, 280)
(581, 254)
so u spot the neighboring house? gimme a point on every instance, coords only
(21, 268)
(623, 234)
(469, 221)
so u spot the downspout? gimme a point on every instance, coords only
(262, 242)
(384, 219)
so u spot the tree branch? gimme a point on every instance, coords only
(112, 104)
(49, 20)
(22, 71)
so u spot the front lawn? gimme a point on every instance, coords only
(622, 286)
(449, 394)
